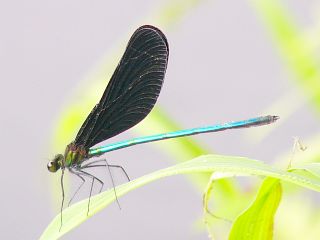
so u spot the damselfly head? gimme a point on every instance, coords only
(55, 164)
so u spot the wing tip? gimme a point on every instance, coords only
(157, 30)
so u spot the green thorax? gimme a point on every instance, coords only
(74, 155)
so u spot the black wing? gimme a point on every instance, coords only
(133, 89)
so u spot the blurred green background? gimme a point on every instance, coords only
(229, 60)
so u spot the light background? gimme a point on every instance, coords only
(223, 66)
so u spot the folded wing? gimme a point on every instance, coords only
(132, 90)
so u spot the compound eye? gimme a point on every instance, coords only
(55, 164)
(52, 166)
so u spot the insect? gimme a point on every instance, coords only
(128, 98)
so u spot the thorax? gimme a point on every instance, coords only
(74, 155)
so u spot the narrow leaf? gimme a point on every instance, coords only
(236, 166)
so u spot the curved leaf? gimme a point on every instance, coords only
(236, 166)
(257, 221)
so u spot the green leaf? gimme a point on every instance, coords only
(313, 168)
(236, 166)
(257, 221)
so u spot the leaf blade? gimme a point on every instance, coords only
(237, 166)
(257, 221)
